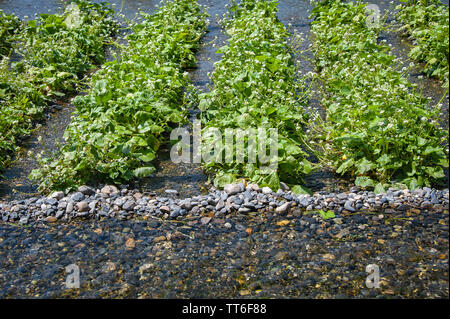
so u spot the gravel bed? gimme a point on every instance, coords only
(270, 253)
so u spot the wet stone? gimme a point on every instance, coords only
(109, 189)
(232, 189)
(86, 190)
(349, 206)
(129, 205)
(283, 208)
(82, 206)
(164, 209)
(205, 220)
(69, 208)
(78, 196)
(56, 195)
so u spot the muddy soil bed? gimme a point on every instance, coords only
(262, 254)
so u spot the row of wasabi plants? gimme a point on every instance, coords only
(54, 52)
(426, 22)
(379, 129)
(130, 104)
(256, 85)
(9, 26)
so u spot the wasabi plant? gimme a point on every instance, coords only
(131, 103)
(256, 86)
(379, 129)
(426, 22)
(9, 27)
(56, 51)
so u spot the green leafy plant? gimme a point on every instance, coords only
(426, 22)
(329, 214)
(21, 103)
(59, 49)
(56, 53)
(326, 214)
(9, 27)
(256, 85)
(131, 103)
(379, 128)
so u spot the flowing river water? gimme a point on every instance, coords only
(196, 260)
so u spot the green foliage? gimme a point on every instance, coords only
(20, 103)
(329, 214)
(55, 53)
(9, 27)
(426, 21)
(256, 86)
(131, 103)
(326, 214)
(378, 127)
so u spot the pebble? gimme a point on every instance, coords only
(283, 208)
(129, 205)
(69, 208)
(164, 209)
(159, 239)
(109, 189)
(253, 187)
(86, 190)
(205, 220)
(232, 189)
(57, 195)
(349, 206)
(83, 206)
(78, 196)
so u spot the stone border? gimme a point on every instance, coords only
(122, 203)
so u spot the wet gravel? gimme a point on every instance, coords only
(260, 244)
(264, 254)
